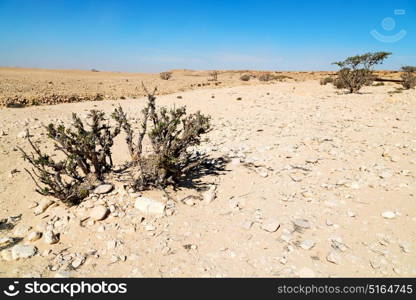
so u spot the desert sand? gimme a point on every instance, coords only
(319, 183)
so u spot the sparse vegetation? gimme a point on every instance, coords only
(408, 77)
(87, 157)
(326, 80)
(266, 77)
(357, 71)
(165, 75)
(171, 135)
(245, 77)
(213, 76)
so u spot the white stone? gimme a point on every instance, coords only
(149, 206)
(210, 194)
(103, 188)
(23, 251)
(307, 244)
(388, 215)
(43, 206)
(50, 238)
(333, 257)
(270, 226)
(302, 223)
(34, 236)
(77, 262)
(98, 213)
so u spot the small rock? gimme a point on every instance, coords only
(307, 244)
(302, 223)
(333, 257)
(306, 273)
(34, 236)
(22, 230)
(50, 238)
(23, 134)
(23, 251)
(149, 206)
(6, 241)
(210, 194)
(103, 188)
(99, 213)
(43, 206)
(77, 262)
(270, 226)
(149, 227)
(388, 215)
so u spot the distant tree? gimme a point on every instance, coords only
(408, 77)
(357, 71)
(165, 75)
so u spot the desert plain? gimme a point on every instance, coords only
(311, 182)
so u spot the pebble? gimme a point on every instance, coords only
(50, 238)
(388, 215)
(77, 262)
(103, 188)
(23, 251)
(43, 206)
(98, 213)
(302, 223)
(333, 257)
(22, 230)
(307, 244)
(210, 194)
(149, 206)
(270, 226)
(34, 236)
(23, 134)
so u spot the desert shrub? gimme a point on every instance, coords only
(94, 70)
(171, 133)
(87, 157)
(408, 77)
(266, 77)
(357, 71)
(326, 80)
(245, 77)
(165, 75)
(213, 76)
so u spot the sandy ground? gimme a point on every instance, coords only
(322, 166)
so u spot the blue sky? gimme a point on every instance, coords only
(151, 36)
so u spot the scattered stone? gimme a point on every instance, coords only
(50, 238)
(306, 273)
(333, 257)
(210, 194)
(405, 247)
(22, 230)
(103, 188)
(99, 213)
(149, 206)
(77, 262)
(149, 227)
(302, 223)
(43, 206)
(23, 251)
(34, 236)
(388, 215)
(6, 241)
(271, 226)
(23, 134)
(307, 244)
